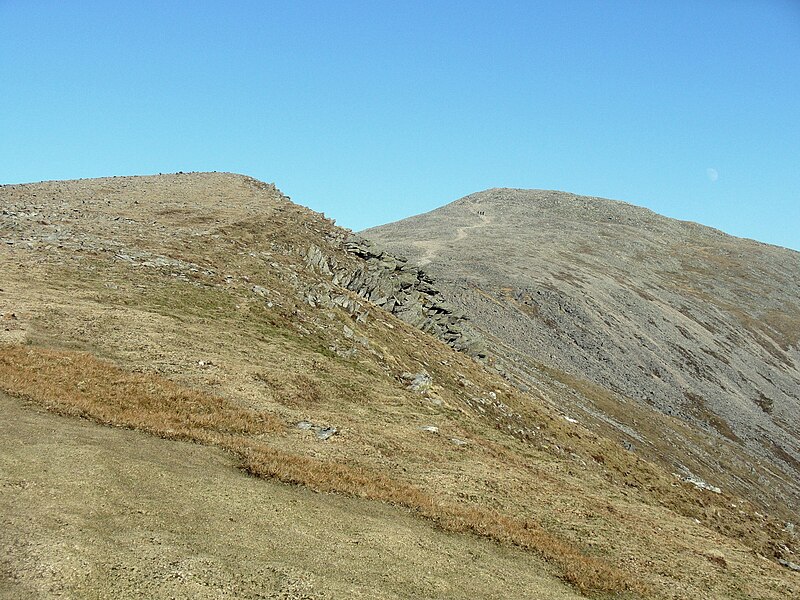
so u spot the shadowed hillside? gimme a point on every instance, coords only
(208, 310)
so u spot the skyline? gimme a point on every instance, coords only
(372, 111)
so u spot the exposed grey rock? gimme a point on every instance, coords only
(326, 433)
(417, 382)
(388, 281)
(789, 564)
(349, 334)
(322, 433)
(690, 477)
(316, 260)
(664, 316)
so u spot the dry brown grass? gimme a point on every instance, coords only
(78, 384)
(294, 389)
(588, 574)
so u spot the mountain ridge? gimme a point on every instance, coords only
(598, 201)
(209, 308)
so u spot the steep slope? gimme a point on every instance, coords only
(684, 340)
(208, 308)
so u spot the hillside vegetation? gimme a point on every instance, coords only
(209, 309)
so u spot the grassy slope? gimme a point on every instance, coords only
(525, 476)
(140, 517)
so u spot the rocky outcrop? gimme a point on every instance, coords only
(396, 286)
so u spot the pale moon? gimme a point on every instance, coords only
(713, 174)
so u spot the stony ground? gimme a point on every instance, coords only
(679, 340)
(211, 282)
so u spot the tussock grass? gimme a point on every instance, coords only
(78, 384)
(295, 389)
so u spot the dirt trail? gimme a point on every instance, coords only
(93, 512)
(461, 232)
(432, 247)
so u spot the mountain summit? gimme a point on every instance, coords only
(683, 342)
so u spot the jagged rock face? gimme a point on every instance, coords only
(678, 317)
(391, 283)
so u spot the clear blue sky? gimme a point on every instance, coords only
(372, 111)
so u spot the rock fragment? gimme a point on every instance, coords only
(417, 382)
